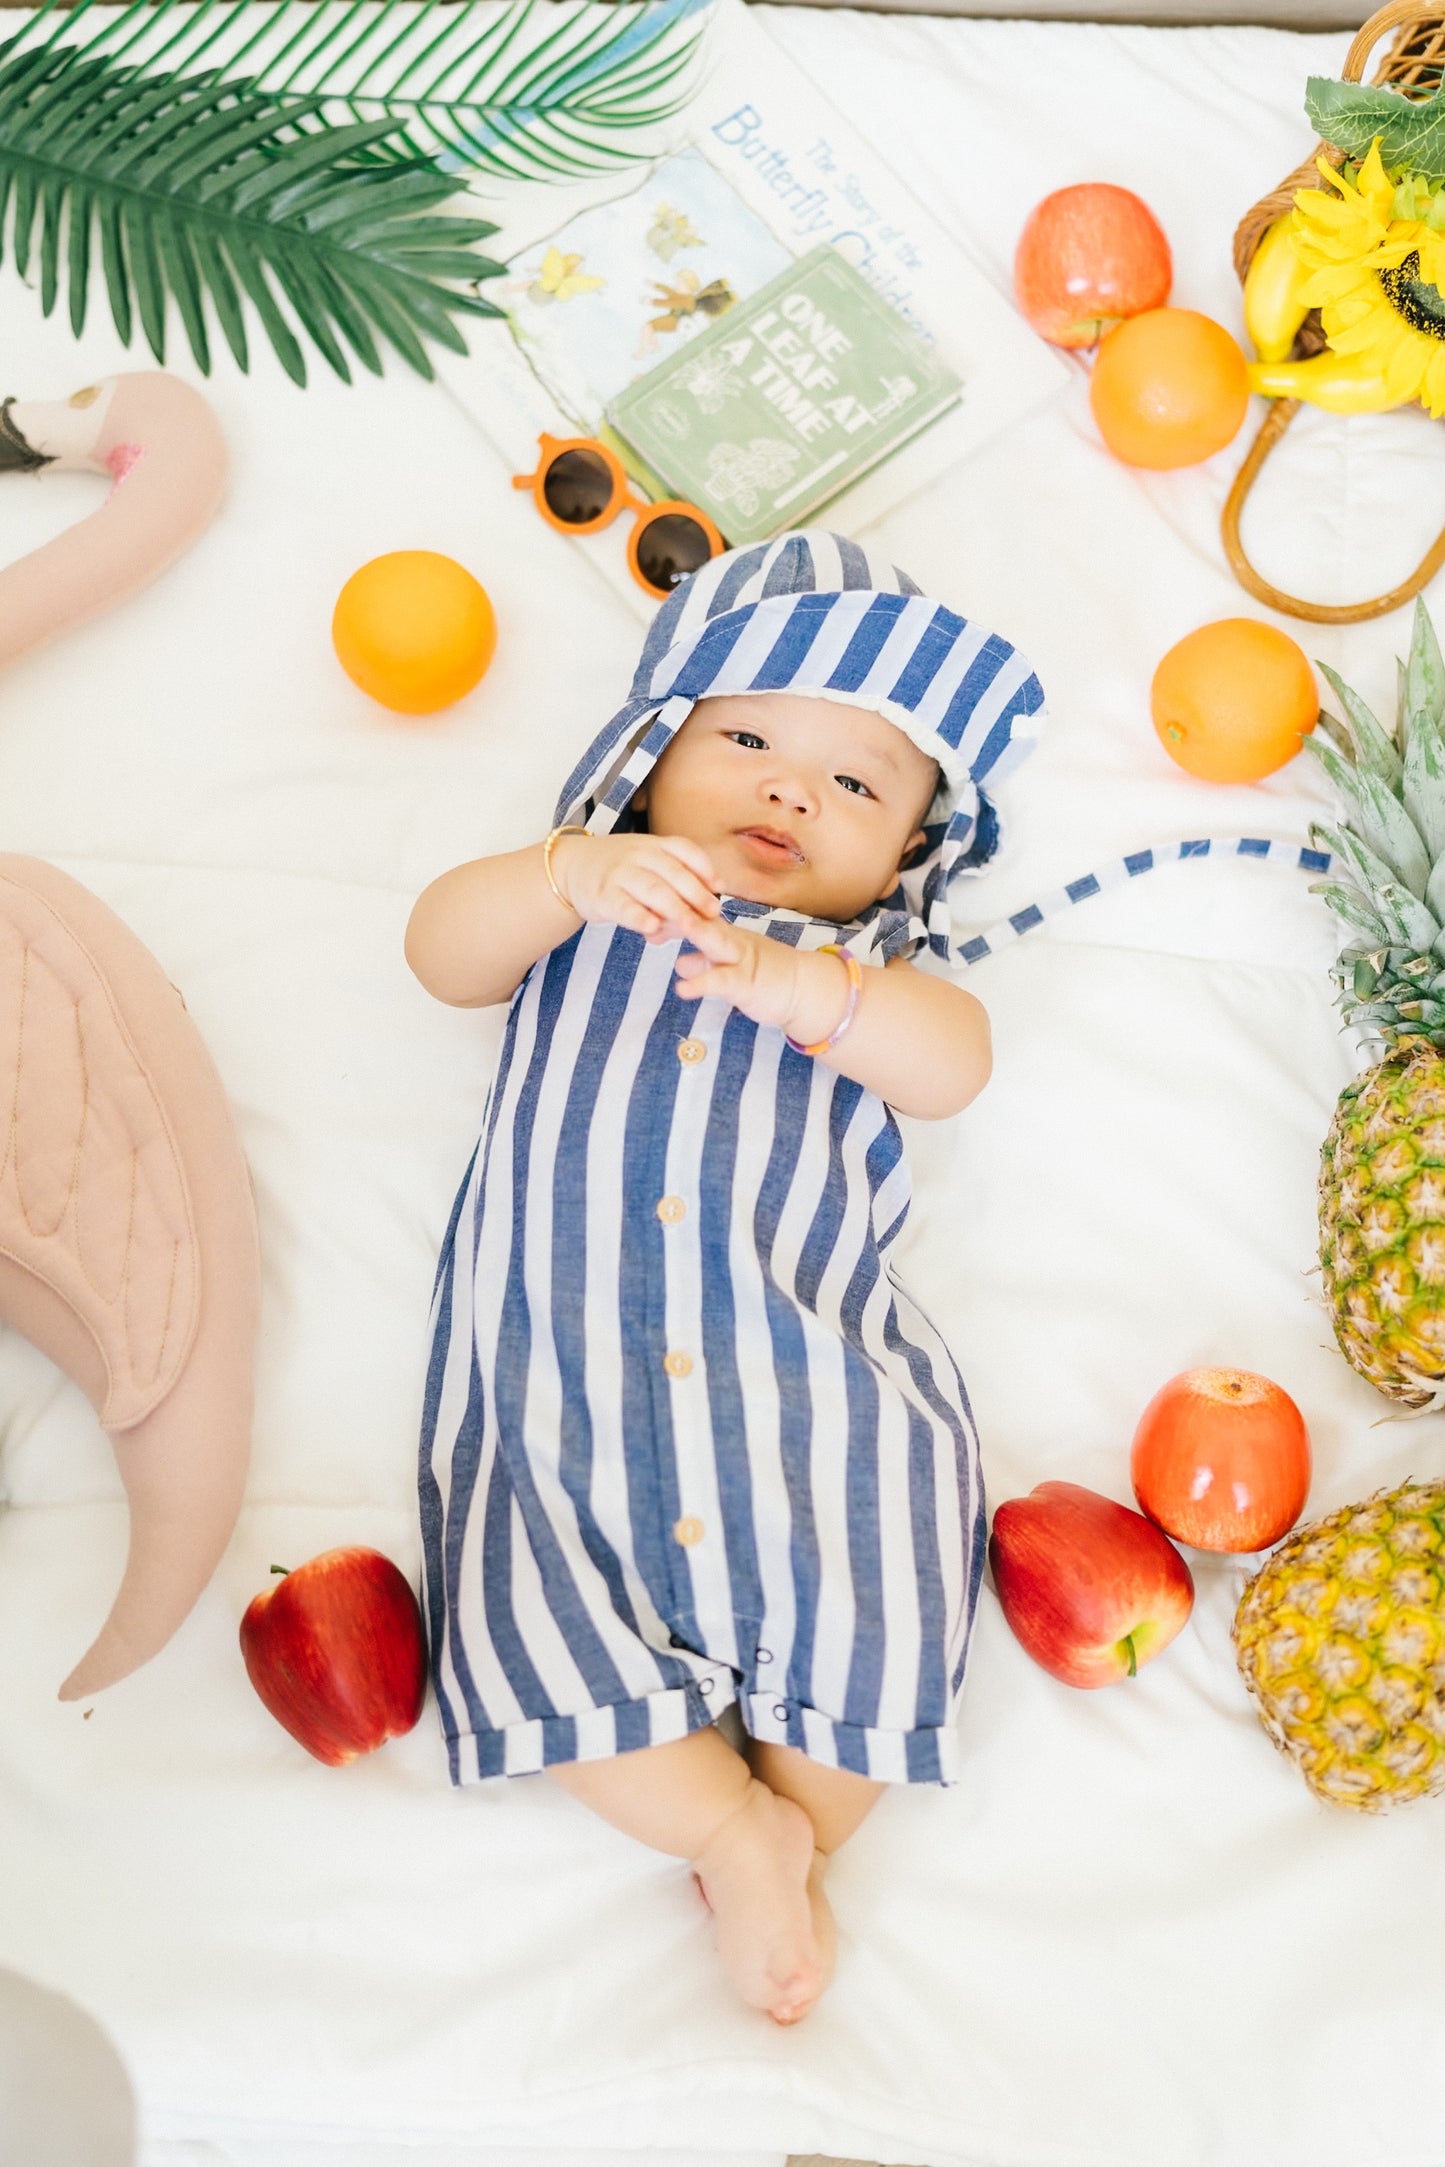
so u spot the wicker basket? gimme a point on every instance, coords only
(1414, 63)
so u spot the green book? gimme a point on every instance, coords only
(785, 400)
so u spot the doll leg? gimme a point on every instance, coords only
(754, 1855)
(834, 1799)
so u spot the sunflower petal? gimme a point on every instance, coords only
(1434, 393)
(1375, 184)
(1406, 363)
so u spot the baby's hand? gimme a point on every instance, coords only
(758, 976)
(658, 885)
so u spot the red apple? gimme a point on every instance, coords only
(1091, 1588)
(1221, 1460)
(1088, 257)
(337, 1652)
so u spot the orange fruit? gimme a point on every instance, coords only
(414, 629)
(1169, 388)
(1234, 700)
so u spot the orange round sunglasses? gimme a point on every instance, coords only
(581, 486)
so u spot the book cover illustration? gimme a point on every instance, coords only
(597, 302)
(787, 399)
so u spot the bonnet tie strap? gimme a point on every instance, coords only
(1292, 857)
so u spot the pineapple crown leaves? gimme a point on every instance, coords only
(1389, 912)
(1373, 748)
(1351, 115)
(1349, 904)
(1384, 824)
(523, 92)
(1363, 760)
(203, 190)
(1424, 673)
(1387, 882)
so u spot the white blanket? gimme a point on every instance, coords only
(1130, 1937)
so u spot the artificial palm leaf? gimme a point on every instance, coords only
(197, 190)
(522, 93)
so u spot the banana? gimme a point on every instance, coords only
(1337, 382)
(1273, 310)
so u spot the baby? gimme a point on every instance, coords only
(687, 1441)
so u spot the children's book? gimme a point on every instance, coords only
(631, 281)
(786, 399)
(611, 277)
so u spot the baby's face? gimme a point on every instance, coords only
(805, 803)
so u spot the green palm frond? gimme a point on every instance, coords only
(199, 190)
(522, 94)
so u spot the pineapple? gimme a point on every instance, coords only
(1340, 1636)
(1382, 1171)
(1341, 1641)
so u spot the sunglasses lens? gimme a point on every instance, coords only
(669, 548)
(578, 487)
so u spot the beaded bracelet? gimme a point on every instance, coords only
(855, 987)
(547, 864)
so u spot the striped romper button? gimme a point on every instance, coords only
(780, 1711)
(677, 1364)
(687, 1530)
(691, 1050)
(670, 1209)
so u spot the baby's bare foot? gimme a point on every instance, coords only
(761, 1877)
(825, 1932)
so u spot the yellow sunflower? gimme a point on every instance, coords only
(1375, 254)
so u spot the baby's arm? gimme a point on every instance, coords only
(474, 934)
(921, 1044)
(918, 1042)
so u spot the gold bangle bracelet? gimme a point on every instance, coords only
(547, 864)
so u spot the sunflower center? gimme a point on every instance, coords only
(1421, 305)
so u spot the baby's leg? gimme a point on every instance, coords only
(834, 1799)
(754, 1855)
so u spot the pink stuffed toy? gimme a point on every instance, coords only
(128, 1248)
(161, 446)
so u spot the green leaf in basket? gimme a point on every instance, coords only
(1351, 115)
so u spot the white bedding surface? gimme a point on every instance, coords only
(1129, 1938)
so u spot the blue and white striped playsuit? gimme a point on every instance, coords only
(686, 1437)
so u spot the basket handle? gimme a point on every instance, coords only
(1370, 33)
(1282, 412)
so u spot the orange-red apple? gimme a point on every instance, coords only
(1221, 1460)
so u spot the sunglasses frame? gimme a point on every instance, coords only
(623, 498)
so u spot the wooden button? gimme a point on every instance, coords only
(687, 1530)
(677, 1364)
(691, 1050)
(670, 1209)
